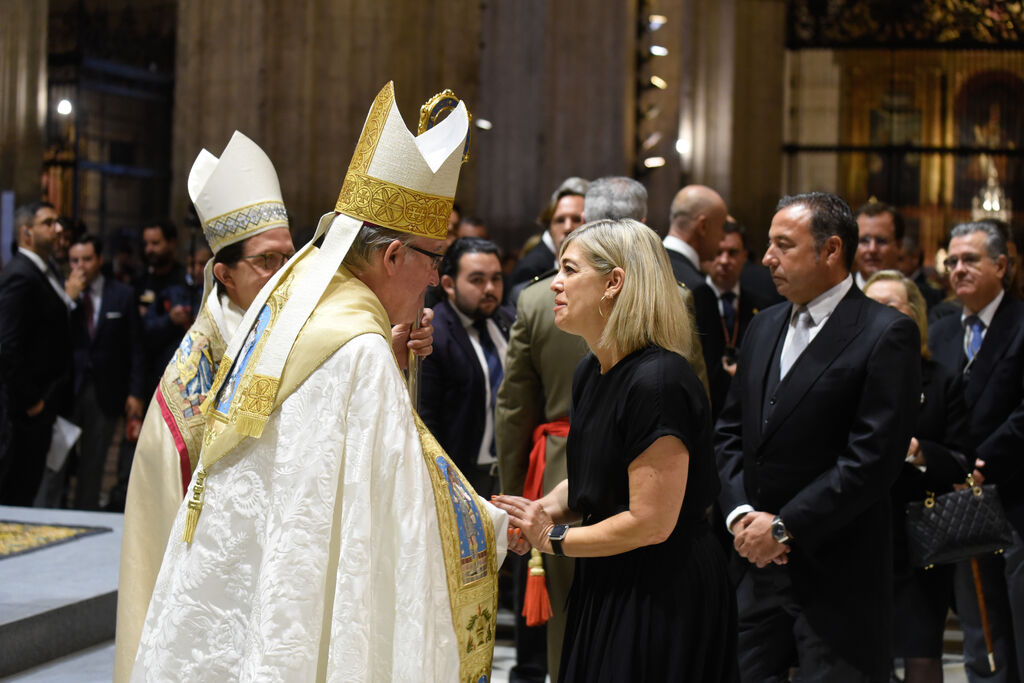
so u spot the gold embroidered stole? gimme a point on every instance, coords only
(347, 309)
(186, 382)
(467, 538)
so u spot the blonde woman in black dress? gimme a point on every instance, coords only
(650, 600)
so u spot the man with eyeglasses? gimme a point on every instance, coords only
(880, 229)
(35, 352)
(326, 532)
(986, 344)
(238, 200)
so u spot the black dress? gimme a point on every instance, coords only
(663, 612)
(922, 597)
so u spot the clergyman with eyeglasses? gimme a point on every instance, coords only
(326, 534)
(238, 200)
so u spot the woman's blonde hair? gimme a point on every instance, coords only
(918, 307)
(649, 309)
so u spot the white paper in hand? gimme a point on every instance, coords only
(65, 434)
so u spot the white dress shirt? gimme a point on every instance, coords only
(821, 308)
(484, 456)
(675, 244)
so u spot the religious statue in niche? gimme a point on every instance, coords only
(988, 118)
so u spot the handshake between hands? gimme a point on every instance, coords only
(529, 523)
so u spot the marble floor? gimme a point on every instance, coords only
(42, 583)
(96, 664)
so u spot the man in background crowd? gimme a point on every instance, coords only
(880, 230)
(108, 362)
(35, 351)
(461, 377)
(985, 343)
(696, 220)
(163, 298)
(561, 216)
(736, 304)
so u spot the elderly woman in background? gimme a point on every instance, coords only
(935, 462)
(650, 600)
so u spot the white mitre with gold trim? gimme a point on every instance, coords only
(401, 181)
(395, 180)
(238, 195)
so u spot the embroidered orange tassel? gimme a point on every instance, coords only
(536, 603)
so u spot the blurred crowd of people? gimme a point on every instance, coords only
(87, 331)
(723, 440)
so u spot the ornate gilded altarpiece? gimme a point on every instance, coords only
(925, 100)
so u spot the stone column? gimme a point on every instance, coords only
(23, 104)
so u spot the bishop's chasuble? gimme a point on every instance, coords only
(340, 545)
(165, 457)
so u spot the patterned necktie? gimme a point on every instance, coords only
(973, 327)
(729, 310)
(799, 338)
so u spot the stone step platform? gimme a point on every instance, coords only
(60, 599)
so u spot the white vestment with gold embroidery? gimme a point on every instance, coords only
(155, 488)
(318, 554)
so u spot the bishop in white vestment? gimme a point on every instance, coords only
(327, 536)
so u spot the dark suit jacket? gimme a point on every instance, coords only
(537, 261)
(35, 339)
(994, 393)
(751, 303)
(452, 398)
(158, 294)
(822, 451)
(709, 324)
(114, 356)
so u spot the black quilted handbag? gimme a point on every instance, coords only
(957, 526)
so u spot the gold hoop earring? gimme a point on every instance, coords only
(599, 311)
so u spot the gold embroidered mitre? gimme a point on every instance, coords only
(238, 195)
(401, 181)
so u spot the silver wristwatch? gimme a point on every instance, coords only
(779, 532)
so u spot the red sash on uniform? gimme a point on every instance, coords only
(536, 604)
(533, 488)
